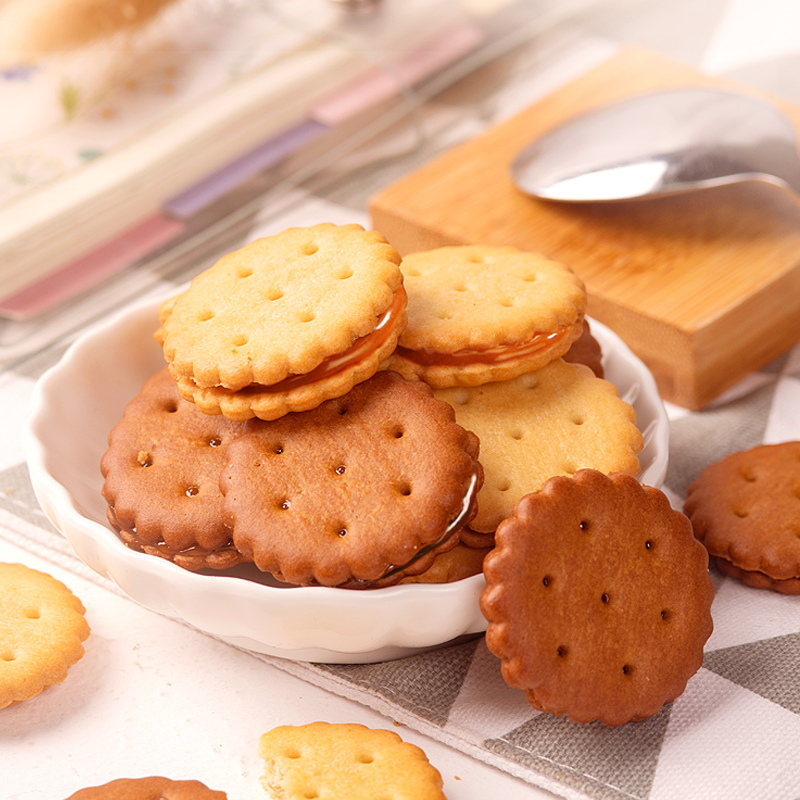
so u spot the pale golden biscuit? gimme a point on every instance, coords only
(150, 788)
(745, 509)
(461, 562)
(286, 322)
(479, 314)
(42, 627)
(345, 762)
(472, 538)
(162, 470)
(598, 599)
(359, 489)
(554, 421)
(33, 29)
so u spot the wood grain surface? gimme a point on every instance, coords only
(704, 287)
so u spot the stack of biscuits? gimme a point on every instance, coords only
(338, 416)
(323, 405)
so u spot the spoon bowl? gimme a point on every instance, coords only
(661, 143)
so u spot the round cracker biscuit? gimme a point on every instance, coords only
(286, 322)
(598, 599)
(161, 473)
(479, 314)
(745, 508)
(42, 627)
(554, 421)
(150, 788)
(345, 761)
(358, 488)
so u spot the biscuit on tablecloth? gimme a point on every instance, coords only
(286, 322)
(150, 788)
(598, 599)
(345, 761)
(42, 628)
(554, 421)
(161, 473)
(745, 509)
(479, 314)
(361, 488)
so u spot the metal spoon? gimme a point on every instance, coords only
(661, 143)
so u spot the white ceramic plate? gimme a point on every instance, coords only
(77, 402)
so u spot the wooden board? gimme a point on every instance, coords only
(705, 288)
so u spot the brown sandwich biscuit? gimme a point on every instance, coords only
(586, 350)
(359, 489)
(598, 599)
(161, 473)
(42, 628)
(286, 322)
(745, 509)
(478, 314)
(150, 788)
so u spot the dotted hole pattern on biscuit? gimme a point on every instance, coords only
(274, 294)
(306, 316)
(8, 655)
(243, 271)
(206, 314)
(310, 248)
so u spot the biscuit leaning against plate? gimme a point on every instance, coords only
(286, 322)
(364, 488)
(598, 599)
(478, 314)
(150, 788)
(345, 761)
(745, 509)
(42, 628)
(161, 471)
(554, 421)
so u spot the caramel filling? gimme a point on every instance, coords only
(361, 349)
(485, 355)
(452, 528)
